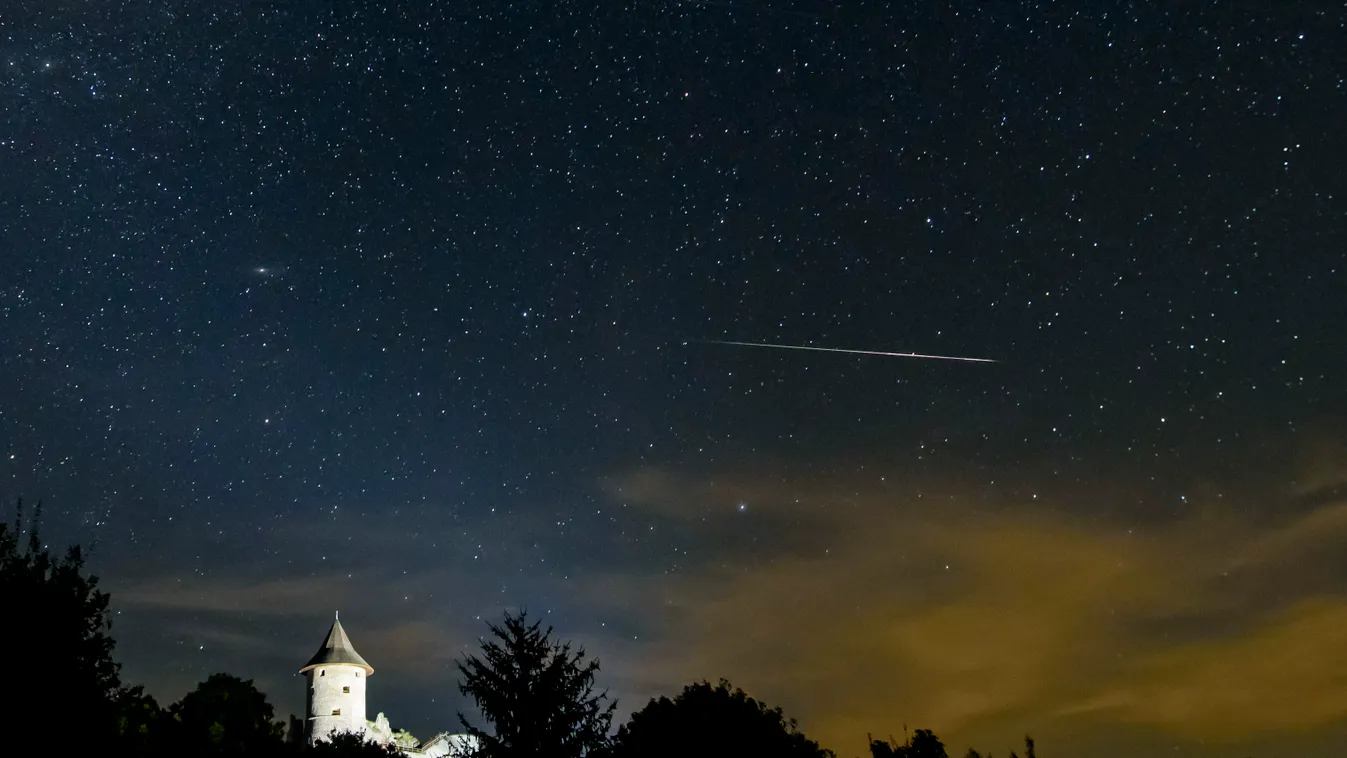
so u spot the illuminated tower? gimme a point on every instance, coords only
(336, 677)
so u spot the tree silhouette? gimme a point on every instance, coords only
(347, 745)
(922, 744)
(225, 716)
(142, 726)
(56, 638)
(712, 721)
(537, 695)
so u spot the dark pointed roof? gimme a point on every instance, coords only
(337, 649)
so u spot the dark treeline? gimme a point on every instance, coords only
(535, 696)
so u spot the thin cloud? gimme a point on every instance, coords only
(285, 596)
(979, 621)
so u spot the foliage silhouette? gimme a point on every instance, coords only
(346, 745)
(225, 716)
(711, 722)
(922, 744)
(537, 695)
(57, 642)
(142, 726)
(1028, 751)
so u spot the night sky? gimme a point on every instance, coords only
(403, 310)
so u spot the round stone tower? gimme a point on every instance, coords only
(336, 677)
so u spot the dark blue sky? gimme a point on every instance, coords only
(396, 308)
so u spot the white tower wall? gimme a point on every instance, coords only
(336, 700)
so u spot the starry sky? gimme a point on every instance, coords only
(404, 310)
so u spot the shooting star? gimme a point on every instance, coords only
(854, 352)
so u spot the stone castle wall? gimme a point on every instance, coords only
(336, 700)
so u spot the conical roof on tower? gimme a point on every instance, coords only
(337, 649)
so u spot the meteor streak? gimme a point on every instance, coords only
(855, 352)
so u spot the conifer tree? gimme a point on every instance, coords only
(537, 695)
